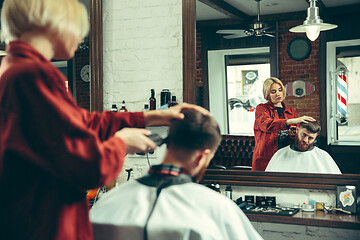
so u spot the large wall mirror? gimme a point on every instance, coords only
(206, 40)
(192, 94)
(96, 52)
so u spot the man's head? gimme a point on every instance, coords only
(306, 135)
(193, 141)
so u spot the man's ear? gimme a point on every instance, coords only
(317, 137)
(202, 156)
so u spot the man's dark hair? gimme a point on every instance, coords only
(195, 132)
(313, 127)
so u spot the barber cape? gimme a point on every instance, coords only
(170, 208)
(314, 160)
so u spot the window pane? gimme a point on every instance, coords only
(244, 89)
(350, 131)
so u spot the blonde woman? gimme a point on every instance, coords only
(272, 123)
(51, 150)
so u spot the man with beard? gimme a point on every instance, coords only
(302, 156)
(167, 204)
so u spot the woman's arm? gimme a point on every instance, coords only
(48, 130)
(164, 117)
(106, 124)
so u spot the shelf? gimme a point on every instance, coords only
(317, 218)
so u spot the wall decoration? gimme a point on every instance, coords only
(299, 88)
(85, 73)
(299, 48)
(248, 78)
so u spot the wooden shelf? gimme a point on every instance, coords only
(284, 180)
(317, 218)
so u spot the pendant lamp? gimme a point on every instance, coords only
(313, 24)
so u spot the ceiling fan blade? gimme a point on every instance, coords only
(235, 36)
(266, 28)
(230, 31)
(268, 34)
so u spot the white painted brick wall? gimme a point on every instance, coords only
(142, 44)
(142, 50)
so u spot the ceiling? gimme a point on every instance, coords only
(246, 9)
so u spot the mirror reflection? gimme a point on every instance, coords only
(343, 81)
(302, 156)
(310, 83)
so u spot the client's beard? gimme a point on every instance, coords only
(302, 146)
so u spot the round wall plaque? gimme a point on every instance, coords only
(299, 48)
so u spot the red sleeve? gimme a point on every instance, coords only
(46, 128)
(265, 122)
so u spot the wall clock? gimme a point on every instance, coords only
(85, 73)
(299, 48)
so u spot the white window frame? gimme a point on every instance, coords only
(331, 91)
(217, 80)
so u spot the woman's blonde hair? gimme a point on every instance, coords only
(267, 85)
(58, 16)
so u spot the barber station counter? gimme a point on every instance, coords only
(316, 218)
(246, 182)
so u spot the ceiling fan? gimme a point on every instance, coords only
(257, 28)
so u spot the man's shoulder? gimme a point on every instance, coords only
(206, 194)
(321, 151)
(266, 105)
(118, 192)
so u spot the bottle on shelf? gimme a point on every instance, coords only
(146, 107)
(165, 98)
(173, 101)
(123, 107)
(217, 188)
(114, 108)
(152, 100)
(228, 192)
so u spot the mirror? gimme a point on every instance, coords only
(347, 157)
(96, 53)
(190, 93)
(87, 63)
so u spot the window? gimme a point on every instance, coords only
(235, 87)
(343, 98)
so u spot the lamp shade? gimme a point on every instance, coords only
(313, 24)
(312, 32)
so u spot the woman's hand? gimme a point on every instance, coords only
(164, 117)
(304, 119)
(136, 140)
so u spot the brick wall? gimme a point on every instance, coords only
(142, 50)
(199, 81)
(306, 70)
(82, 88)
